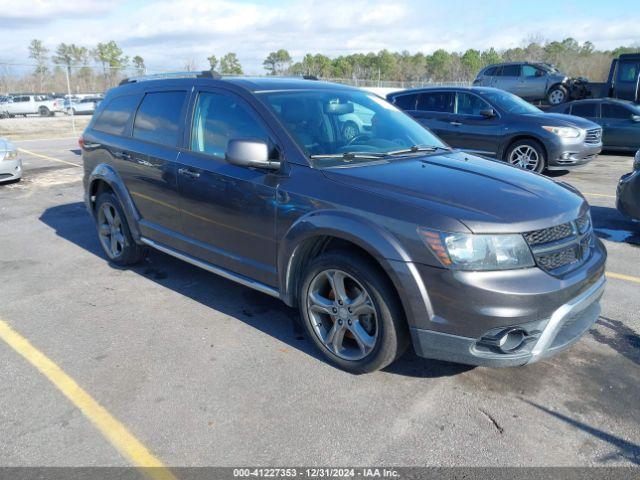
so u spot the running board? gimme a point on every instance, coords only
(247, 282)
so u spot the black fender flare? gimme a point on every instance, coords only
(105, 173)
(364, 233)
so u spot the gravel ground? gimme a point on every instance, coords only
(61, 125)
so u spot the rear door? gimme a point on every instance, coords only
(228, 210)
(434, 110)
(471, 130)
(619, 129)
(147, 163)
(508, 78)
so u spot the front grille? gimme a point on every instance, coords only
(594, 136)
(564, 247)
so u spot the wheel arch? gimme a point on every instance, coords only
(105, 178)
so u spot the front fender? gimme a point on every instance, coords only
(376, 241)
(105, 173)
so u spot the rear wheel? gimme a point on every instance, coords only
(113, 232)
(352, 313)
(557, 95)
(528, 155)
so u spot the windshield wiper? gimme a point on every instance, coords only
(351, 156)
(415, 149)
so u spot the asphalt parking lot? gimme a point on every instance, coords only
(201, 371)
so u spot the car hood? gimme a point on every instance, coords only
(561, 120)
(485, 195)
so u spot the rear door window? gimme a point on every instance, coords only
(158, 118)
(115, 117)
(510, 71)
(405, 102)
(436, 102)
(585, 110)
(615, 111)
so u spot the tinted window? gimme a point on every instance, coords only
(615, 111)
(510, 71)
(115, 116)
(158, 118)
(219, 118)
(469, 104)
(490, 72)
(628, 72)
(531, 71)
(436, 102)
(584, 110)
(405, 102)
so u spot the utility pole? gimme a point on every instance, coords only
(73, 118)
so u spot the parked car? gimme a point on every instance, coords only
(356, 123)
(42, 105)
(82, 106)
(377, 239)
(628, 191)
(619, 119)
(10, 162)
(495, 123)
(532, 81)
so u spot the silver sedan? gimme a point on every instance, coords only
(10, 162)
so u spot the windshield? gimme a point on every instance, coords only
(337, 126)
(510, 103)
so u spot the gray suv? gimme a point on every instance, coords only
(531, 81)
(379, 239)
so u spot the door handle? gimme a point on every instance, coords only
(122, 155)
(455, 123)
(188, 173)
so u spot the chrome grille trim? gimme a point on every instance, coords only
(563, 247)
(593, 136)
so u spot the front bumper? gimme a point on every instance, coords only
(628, 195)
(566, 326)
(565, 154)
(10, 170)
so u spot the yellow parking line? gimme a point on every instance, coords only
(598, 195)
(43, 139)
(620, 276)
(128, 445)
(46, 157)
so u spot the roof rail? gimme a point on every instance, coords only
(159, 76)
(310, 77)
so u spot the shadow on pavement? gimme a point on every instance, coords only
(621, 338)
(73, 223)
(628, 450)
(610, 224)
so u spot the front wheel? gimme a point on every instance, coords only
(352, 313)
(557, 95)
(44, 112)
(528, 155)
(114, 233)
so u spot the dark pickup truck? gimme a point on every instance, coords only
(623, 81)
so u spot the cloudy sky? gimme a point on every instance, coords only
(168, 34)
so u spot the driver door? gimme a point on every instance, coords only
(228, 211)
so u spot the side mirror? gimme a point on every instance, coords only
(488, 113)
(635, 118)
(540, 73)
(247, 152)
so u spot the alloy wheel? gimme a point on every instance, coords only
(556, 97)
(525, 157)
(342, 314)
(110, 230)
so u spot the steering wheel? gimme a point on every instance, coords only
(357, 137)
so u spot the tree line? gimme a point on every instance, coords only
(103, 66)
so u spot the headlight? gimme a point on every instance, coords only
(464, 251)
(564, 132)
(10, 155)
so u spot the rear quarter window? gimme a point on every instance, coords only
(115, 116)
(158, 118)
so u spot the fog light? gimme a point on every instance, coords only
(565, 156)
(511, 340)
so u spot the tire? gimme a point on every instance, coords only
(557, 95)
(528, 155)
(366, 341)
(44, 112)
(122, 250)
